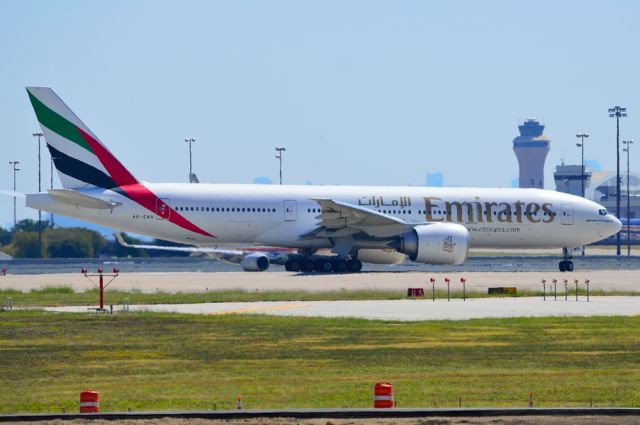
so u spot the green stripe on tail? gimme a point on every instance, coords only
(57, 123)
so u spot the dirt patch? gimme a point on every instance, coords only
(495, 420)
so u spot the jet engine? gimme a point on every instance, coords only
(255, 262)
(437, 243)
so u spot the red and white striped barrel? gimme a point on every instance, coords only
(89, 402)
(383, 395)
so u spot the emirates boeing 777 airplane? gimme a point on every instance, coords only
(306, 228)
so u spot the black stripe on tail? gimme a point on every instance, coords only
(79, 170)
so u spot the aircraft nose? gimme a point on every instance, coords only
(617, 224)
(612, 227)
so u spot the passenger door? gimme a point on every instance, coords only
(163, 209)
(567, 213)
(290, 210)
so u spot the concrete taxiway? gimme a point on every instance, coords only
(409, 310)
(607, 280)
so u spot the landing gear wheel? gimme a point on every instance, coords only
(323, 266)
(566, 266)
(292, 266)
(307, 266)
(354, 265)
(339, 266)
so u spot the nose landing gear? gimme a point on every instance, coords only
(566, 265)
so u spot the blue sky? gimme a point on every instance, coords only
(360, 92)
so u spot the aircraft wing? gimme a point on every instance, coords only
(340, 219)
(191, 249)
(234, 256)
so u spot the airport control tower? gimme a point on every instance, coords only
(531, 148)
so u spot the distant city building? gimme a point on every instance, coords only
(435, 179)
(592, 164)
(262, 180)
(531, 149)
(568, 179)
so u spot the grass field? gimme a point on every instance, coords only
(146, 361)
(62, 296)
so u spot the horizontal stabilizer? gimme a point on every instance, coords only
(71, 197)
(12, 194)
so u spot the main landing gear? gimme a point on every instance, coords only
(323, 265)
(566, 265)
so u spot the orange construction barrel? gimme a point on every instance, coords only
(89, 402)
(383, 395)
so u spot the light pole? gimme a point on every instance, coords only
(39, 136)
(628, 151)
(617, 112)
(190, 140)
(279, 156)
(14, 164)
(582, 136)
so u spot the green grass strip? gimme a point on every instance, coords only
(146, 361)
(64, 296)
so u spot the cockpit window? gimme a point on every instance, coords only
(603, 211)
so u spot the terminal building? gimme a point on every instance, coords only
(531, 149)
(600, 186)
(569, 179)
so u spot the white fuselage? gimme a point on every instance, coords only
(281, 215)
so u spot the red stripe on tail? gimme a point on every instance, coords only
(136, 191)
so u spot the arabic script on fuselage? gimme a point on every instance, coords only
(438, 210)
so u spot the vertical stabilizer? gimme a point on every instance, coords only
(81, 159)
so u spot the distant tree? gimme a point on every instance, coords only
(70, 248)
(28, 225)
(74, 242)
(5, 236)
(25, 245)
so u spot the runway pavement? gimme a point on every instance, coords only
(409, 310)
(608, 280)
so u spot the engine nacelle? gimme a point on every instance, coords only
(437, 243)
(255, 262)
